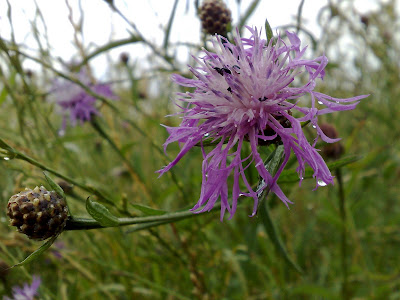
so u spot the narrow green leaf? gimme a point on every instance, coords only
(169, 26)
(273, 235)
(37, 253)
(252, 7)
(101, 214)
(148, 210)
(272, 166)
(313, 290)
(268, 30)
(3, 95)
(54, 186)
(289, 176)
(6, 146)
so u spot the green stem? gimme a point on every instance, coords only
(112, 106)
(110, 46)
(132, 170)
(144, 222)
(12, 153)
(343, 242)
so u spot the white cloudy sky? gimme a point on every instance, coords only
(100, 24)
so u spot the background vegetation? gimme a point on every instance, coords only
(200, 257)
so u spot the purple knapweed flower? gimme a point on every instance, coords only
(27, 292)
(243, 94)
(74, 103)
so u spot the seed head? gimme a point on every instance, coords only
(38, 213)
(215, 17)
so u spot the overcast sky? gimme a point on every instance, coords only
(100, 24)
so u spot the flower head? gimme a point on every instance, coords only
(243, 93)
(27, 292)
(74, 103)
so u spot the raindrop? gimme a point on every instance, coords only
(301, 177)
(313, 126)
(321, 183)
(337, 102)
(320, 102)
(6, 158)
(206, 134)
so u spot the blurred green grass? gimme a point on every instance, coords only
(202, 257)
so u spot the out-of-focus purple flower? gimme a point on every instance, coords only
(243, 93)
(27, 292)
(58, 246)
(74, 103)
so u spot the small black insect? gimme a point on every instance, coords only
(262, 99)
(222, 70)
(229, 89)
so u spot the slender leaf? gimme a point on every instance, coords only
(148, 210)
(54, 186)
(37, 253)
(273, 235)
(3, 95)
(6, 146)
(252, 7)
(101, 214)
(169, 26)
(268, 30)
(312, 290)
(272, 166)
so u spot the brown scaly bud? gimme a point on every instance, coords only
(38, 213)
(334, 150)
(124, 58)
(215, 17)
(66, 187)
(365, 20)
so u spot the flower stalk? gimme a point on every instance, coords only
(343, 235)
(132, 171)
(145, 222)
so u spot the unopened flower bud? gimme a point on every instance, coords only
(365, 20)
(38, 213)
(124, 58)
(215, 17)
(67, 188)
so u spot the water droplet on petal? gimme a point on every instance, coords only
(301, 177)
(321, 183)
(320, 102)
(337, 102)
(206, 134)
(313, 126)
(6, 158)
